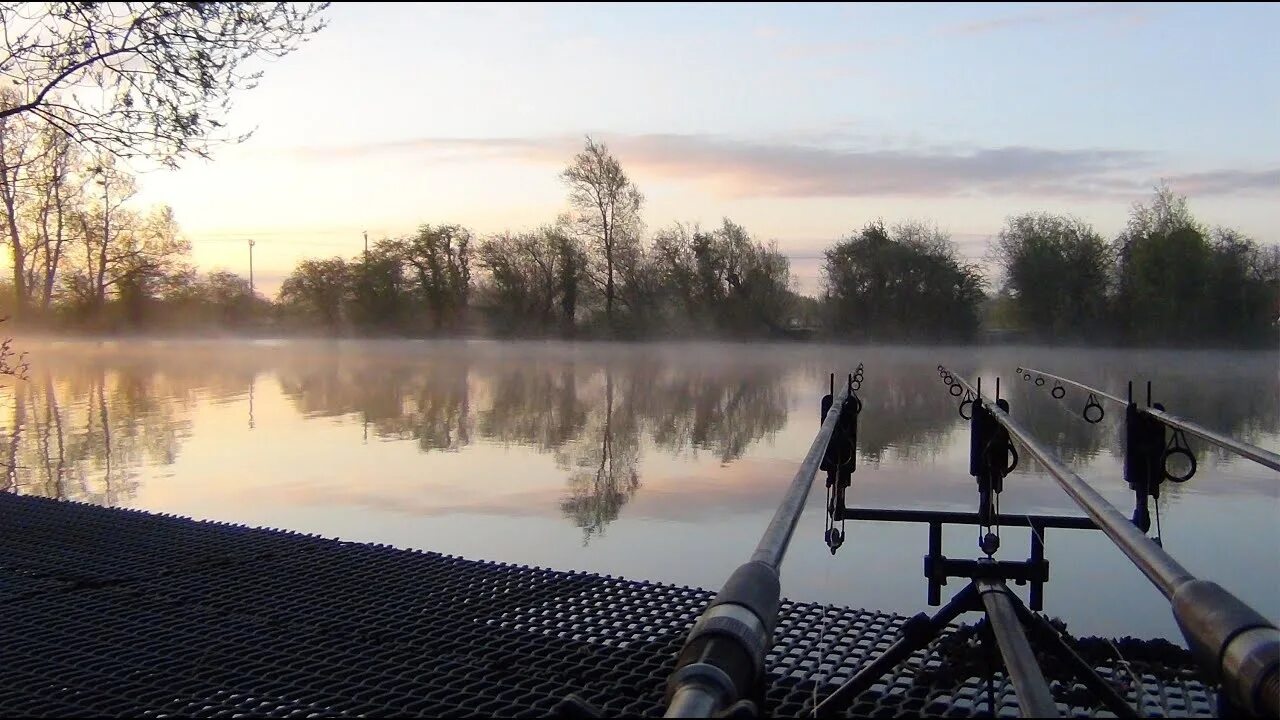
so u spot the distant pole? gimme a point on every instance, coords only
(366, 245)
(251, 290)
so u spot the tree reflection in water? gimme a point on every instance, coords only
(90, 417)
(593, 417)
(81, 433)
(602, 463)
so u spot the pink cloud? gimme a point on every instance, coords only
(737, 168)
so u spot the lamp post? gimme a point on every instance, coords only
(251, 290)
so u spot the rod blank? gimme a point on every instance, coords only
(1082, 386)
(1034, 697)
(724, 653)
(1245, 450)
(773, 544)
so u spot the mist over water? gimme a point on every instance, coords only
(661, 461)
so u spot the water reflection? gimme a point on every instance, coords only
(541, 410)
(704, 409)
(906, 413)
(592, 417)
(92, 415)
(602, 463)
(83, 436)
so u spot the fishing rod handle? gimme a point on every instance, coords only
(1234, 640)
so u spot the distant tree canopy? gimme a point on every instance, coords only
(438, 262)
(1057, 270)
(1165, 280)
(901, 283)
(535, 283)
(1244, 289)
(316, 291)
(721, 280)
(533, 280)
(378, 293)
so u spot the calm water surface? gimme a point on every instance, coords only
(660, 462)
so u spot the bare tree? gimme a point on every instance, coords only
(18, 148)
(59, 187)
(104, 226)
(122, 253)
(606, 207)
(149, 79)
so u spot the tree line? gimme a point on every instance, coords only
(83, 257)
(80, 251)
(586, 274)
(1165, 279)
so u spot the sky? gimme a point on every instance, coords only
(801, 122)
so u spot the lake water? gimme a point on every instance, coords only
(657, 461)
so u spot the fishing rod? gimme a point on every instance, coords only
(722, 663)
(1147, 450)
(1228, 638)
(1009, 621)
(1245, 450)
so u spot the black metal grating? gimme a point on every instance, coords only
(123, 613)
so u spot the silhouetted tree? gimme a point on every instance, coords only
(901, 284)
(721, 281)
(219, 298)
(1164, 261)
(525, 279)
(379, 292)
(606, 212)
(18, 157)
(315, 291)
(1056, 269)
(59, 179)
(571, 262)
(1244, 289)
(439, 262)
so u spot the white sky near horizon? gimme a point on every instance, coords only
(801, 122)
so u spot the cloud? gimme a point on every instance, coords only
(1227, 182)
(744, 169)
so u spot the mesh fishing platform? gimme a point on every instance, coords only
(110, 612)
